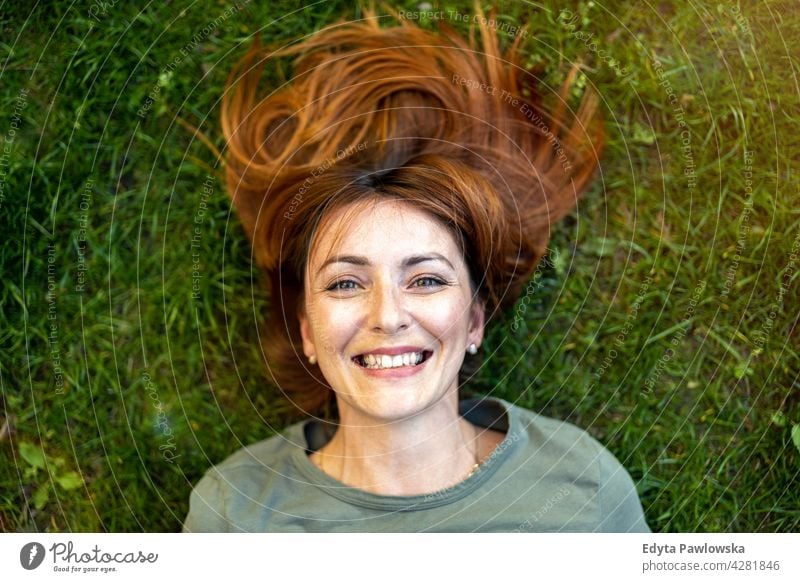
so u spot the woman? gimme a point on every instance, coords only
(399, 194)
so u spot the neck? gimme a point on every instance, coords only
(427, 452)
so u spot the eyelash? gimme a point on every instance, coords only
(335, 287)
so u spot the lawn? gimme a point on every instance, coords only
(664, 320)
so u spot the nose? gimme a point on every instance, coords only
(387, 309)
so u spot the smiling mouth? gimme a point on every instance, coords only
(384, 362)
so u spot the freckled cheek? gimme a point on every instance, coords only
(441, 316)
(335, 327)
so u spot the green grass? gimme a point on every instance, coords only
(706, 432)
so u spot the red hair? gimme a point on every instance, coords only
(400, 113)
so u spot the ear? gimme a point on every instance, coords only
(305, 331)
(477, 321)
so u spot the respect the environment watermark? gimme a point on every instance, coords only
(53, 338)
(186, 50)
(524, 108)
(744, 227)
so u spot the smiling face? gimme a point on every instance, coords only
(394, 286)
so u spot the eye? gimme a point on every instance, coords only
(435, 282)
(340, 285)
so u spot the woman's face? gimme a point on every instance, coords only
(395, 286)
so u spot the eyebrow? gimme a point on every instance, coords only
(407, 262)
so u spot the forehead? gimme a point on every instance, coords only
(389, 227)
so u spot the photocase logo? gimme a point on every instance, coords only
(31, 555)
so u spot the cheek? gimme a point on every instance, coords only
(443, 315)
(334, 325)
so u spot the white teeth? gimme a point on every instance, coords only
(384, 361)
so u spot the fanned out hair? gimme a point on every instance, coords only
(454, 127)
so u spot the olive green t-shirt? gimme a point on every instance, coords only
(545, 476)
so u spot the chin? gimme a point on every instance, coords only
(390, 403)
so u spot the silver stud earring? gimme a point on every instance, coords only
(312, 360)
(472, 349)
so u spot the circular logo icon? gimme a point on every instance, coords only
(31, 555)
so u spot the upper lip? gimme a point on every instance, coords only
(393, 351)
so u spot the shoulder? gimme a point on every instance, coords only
(572, 455)
(263, 454)
(557, 438)
(243, 475)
